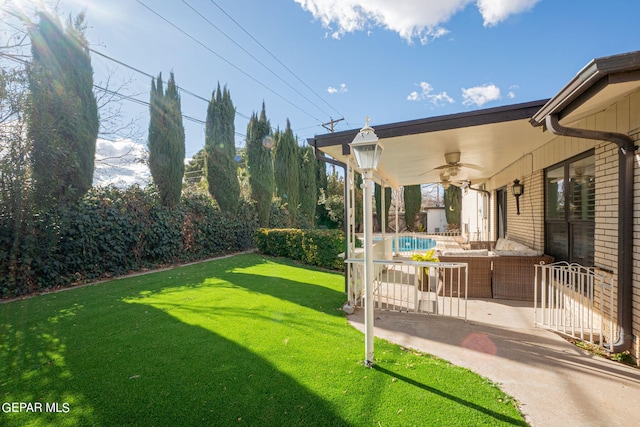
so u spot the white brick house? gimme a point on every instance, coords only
(576, 155)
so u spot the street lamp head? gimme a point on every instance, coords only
(366, 148)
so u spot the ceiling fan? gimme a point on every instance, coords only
(445, 181)
(453, 165)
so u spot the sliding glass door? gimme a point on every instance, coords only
(570, 210)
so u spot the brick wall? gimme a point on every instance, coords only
(528, 227)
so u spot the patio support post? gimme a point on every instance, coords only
(397, 240)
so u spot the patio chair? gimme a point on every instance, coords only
(513, 276)
(479, 276)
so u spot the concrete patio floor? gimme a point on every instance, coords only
(554, 382)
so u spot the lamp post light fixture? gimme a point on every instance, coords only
(367, 151)
(518, 190)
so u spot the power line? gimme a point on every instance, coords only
(181, 89)
(253, 57)
(147, 104)
(275, 57)
(226, 60)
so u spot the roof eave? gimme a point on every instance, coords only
(591, 79)
(438, 123)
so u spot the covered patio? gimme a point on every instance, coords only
(497, 151)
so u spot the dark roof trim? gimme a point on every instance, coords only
(438, 123)
(597, 74)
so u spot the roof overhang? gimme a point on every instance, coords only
(490, 139)
(601, 83)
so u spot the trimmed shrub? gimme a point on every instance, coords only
(315, 247)
(111, 232)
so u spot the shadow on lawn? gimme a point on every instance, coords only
(248, 271)
(156, 370)
(497, 416)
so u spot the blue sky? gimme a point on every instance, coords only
(391, 60)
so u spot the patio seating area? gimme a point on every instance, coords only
(504, 269)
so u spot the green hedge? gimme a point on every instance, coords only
(314, 247)
(112, 232)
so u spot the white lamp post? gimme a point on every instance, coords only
(367, 151)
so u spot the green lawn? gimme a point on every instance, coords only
(245, 340)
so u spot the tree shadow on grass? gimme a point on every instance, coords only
(463, 402)
(260, 274)
(161, 371)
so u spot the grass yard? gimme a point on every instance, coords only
(245, 340)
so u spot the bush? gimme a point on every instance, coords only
(112, 232)
(315, 247)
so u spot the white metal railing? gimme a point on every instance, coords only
(575, 301)
(438, 288)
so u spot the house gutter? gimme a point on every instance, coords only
(626, 149)
(597, 75)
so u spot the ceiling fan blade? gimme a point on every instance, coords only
(470, 166)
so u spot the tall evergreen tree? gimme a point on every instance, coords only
(260, 164)
(387, 205)
(221, 167)
(453, 206)
(63, 115)
(166, 140)
(286, 170)
(308, 193)
(412, 203)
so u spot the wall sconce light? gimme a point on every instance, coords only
(518, 190)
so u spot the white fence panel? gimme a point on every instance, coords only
(437, 288)
(575, 301)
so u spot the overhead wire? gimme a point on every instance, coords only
(180, 88)
(207, 20)
(118, 94)
(274, 57)
(226, 60)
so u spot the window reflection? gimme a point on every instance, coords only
(570, 210)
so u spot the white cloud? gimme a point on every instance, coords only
(121, 163)
(426, 94)
(341, 89)
(495, 11)
(480, 95)
(512, 91)
(421, 19)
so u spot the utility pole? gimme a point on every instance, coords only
(330, 125)
(331, 128)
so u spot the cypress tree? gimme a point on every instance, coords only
(387, 205)
(221, 168)
(308, 192)
(412, 203)
(166, 140)
(260, 164)
(286, 170)
(453, 206)
(63, 114)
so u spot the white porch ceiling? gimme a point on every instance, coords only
(490, 139)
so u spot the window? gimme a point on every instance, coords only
(570, 210)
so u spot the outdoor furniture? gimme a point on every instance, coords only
(478, 273)
(513, 276)
(482, 244)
